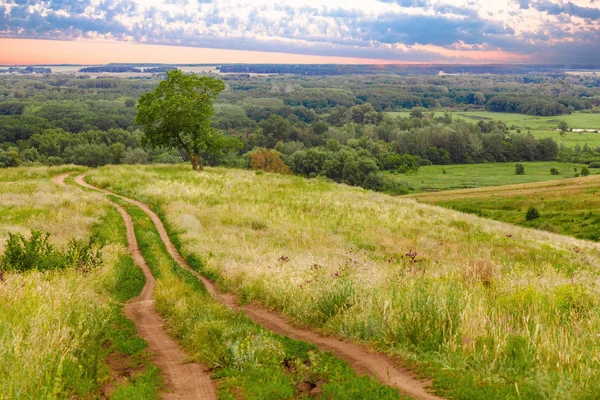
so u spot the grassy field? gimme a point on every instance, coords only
(246, 360)
(61, 330)
(487, 309)
(570, 207)
(464, 176)
(539, 126)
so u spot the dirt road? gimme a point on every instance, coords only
(185, 381)
(362, 359)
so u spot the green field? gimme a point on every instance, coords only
(570, 206)
(433, 178)
(539, 126)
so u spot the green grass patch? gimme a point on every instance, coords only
(465, 176)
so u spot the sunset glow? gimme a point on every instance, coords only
(299, 31)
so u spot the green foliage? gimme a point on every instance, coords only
(36, 253)
(177, 114)
(519, 169)
(554, 171)
(9, 158)
(585, 171)
(532, 213)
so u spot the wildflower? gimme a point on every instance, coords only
(509, 235)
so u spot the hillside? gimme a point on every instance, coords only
(568, 206)
(486, 309)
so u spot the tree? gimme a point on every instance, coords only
(563, 126)
(519, 169)
(177, 115)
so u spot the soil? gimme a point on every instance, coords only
(362, 359)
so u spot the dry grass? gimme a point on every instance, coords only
(497, 309)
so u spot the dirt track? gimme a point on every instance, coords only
(184, 380)
(361, 358)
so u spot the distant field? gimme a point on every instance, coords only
(432, 178)
(570, 206)
(539, 126)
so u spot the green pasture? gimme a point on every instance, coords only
(464, 176)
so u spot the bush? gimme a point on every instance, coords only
(532, 213)
(36, 253)
(134, 156)
(554, 171)
(519, 169)
(585, 171)
(380, 183)
(594, 165)
(268, 160)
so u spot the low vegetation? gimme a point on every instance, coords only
(488, 310)
(569, 207)
(247, 360)
(62, 330)
(435, 178)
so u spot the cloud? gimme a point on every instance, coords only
(403, 30)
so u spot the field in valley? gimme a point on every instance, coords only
(541, 127)
(569, 207)
(486, 309)
(463, 176)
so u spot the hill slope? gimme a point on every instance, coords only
(487, 309)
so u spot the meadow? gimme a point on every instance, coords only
(463, 176)
(486, 309)
(539, 126)
(62, 330)
(569, 206)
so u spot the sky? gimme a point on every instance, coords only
(299, 31)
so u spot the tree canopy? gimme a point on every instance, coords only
(177, 114)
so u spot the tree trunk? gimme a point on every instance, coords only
(197, 163)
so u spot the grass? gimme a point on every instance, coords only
(59, 329)
(486, 309)
(569, 207)
(247, 361)
(539, 126)
(463, 176)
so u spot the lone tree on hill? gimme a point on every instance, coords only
(177, 115)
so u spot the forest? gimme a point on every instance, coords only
(337, 127)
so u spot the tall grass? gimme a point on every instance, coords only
(487, 309)
(57, 327)
(247, 360)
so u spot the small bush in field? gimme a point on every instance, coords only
(554, 171)
(519, 169)
(532, 213)
(268, 160)
(36, 253)
(585, 171)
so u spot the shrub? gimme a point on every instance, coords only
(36, 253)
(585, 171)
(268, 160)
(594, 165)
(519, 169)
(554, 171)
(134, 156)
(532, 213)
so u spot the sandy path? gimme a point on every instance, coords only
(361, 358)
(60, 179)
(184, 380)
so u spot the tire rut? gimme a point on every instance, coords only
(361, 358)
(185, 381)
